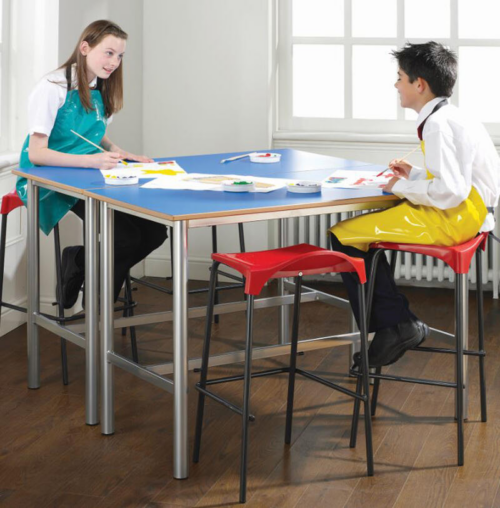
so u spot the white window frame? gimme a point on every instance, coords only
(349, 126)
(4, 73)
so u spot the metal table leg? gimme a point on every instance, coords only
(91, 313)
(33, 302)
(180, 328)
(284, 316)
(107, 328)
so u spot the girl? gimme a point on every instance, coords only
(82, 95)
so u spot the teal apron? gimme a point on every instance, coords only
(71, 116)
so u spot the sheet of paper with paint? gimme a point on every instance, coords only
(146, 169)
(199, 181)
(350, 179)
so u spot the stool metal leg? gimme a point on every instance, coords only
(214, 250)
(293, 359)
(204, 361)
(246, 400)
(60, 307)
(130, 312)
(355, 415)
(366, 379)
(480, 322)
(461, 323)
(376, 386)
(3, 241)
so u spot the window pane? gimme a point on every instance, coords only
(318, 80)
(374, 19)
(473, 74)
(373, 75)
(427, 19)
(318, 18)
(478, 19)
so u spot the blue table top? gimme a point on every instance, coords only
(187, 204)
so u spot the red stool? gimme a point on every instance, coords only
(458, 258)
(257, 268)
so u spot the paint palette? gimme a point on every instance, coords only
(125, 179)
(265, 158)
(238, 186)
(304, 187)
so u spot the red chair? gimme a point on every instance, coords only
(257, 268)
(458, 258)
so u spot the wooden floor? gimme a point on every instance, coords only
(50, 458)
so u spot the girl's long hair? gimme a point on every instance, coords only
(111, 88)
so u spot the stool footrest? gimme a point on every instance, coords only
(447, 350)
(262, 373)
(323, 381)
(223, 401)
(169, 291)
(13, 307)
(388, 377)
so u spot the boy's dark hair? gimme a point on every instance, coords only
(430, 61)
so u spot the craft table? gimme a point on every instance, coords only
(184, 209)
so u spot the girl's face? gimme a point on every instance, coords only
(104, 58)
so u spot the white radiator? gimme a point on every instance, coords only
(415, 268)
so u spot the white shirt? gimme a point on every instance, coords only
(48, 96)
(460, 154)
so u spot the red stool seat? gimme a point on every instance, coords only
(259, 267)
(457, 257)
(10, 202)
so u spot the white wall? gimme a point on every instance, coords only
(207, 89)
(32, 52)
(74, 16)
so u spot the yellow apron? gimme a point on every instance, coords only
(409, 223)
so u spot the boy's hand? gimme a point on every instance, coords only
(390, 184)
(400, 168)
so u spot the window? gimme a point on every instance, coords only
(336, 72)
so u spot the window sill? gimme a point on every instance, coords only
(351, 137)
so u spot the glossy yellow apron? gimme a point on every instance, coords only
(409, 223)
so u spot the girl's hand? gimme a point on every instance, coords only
(138, 158)
(104, 160)
(390, 184)
(400, 168)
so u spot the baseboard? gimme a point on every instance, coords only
(11, 319)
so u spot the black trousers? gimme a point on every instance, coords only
(135, 238)
(389, 306)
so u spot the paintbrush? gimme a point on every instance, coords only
(400, 159)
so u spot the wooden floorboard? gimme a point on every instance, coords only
(50, 458)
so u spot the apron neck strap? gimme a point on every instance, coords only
(438, 106)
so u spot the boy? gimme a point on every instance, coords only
(447, 203)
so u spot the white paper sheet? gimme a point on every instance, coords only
(199, 181)
(166, 169)
(352, 179)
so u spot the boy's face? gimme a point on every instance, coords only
(408, 92)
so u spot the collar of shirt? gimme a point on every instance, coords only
(74, 79)
(427, 109)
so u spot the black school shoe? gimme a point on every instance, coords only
(73, 276)
(390, 344)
